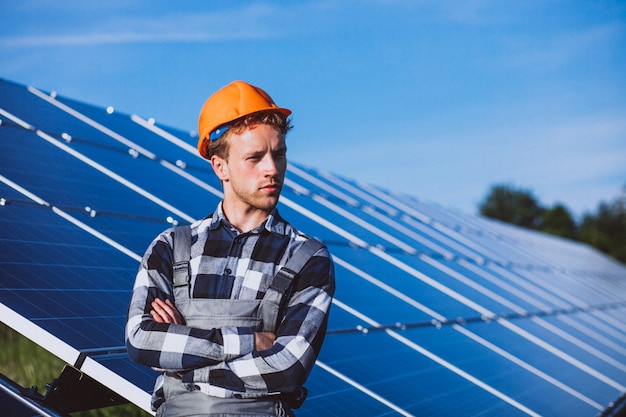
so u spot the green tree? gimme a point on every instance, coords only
(558, 221)
(512, 205)
(606, 229)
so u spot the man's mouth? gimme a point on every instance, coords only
(272, 188)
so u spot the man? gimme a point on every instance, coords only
(208, 332)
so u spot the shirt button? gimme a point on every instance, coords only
(228, 271)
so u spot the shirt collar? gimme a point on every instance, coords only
(273, 224)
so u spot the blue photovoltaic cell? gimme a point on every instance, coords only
(437, 312)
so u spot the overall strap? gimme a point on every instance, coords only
(273, 299)
(182, 254)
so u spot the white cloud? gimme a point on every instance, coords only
(252, 22)
(551, 51)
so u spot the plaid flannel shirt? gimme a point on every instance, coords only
(226, 264)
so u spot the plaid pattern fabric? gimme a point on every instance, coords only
(226, 265)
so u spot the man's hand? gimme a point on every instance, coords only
(165, 312)
(263, 340)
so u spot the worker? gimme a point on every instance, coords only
(218, 307)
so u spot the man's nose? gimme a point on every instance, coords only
(269, 165)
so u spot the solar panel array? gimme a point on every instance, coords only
(437, 312)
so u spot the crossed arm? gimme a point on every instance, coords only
(158, 336)
(166, 312)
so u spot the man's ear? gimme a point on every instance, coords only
(220, 167)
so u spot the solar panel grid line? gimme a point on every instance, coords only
(405, 231)
(560, 292)
(24, 191)
(431, 282)
(519, 242)
(324, 186)
(554, 300)
(362, 388)
(538, 304)
(394, 202)
(507, 285)
(113, 175)
(475, 229)
(193, 179)
(607, 324)
(129, 143)
(364, 224)
(297, 188)
(16, 120)
(583, 345)
(166, 135)
(95, 165)
(367, 198)
(616, 330)
(530, 286)
(473, 245)
(441, 318)
(473, 284)
(437, 359)
(556, 351)
(422, 219)
(97, 234)
(324, 222)
(516, 329)
(533, 369)
(437, 236)
(390, 199)
(132, 145)
(92, 123)
(595, 335)
(563, 355)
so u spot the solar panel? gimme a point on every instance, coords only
(437, 312)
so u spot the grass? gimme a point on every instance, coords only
(29, 364)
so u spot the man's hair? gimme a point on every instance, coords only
(276, 120)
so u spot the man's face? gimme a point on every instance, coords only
(254, 172)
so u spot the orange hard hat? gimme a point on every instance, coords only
(236, 100)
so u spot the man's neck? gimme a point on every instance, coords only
(243, 220)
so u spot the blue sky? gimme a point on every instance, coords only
(437, 99)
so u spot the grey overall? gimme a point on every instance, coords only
(261, 315)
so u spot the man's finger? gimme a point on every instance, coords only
(178, 318)
(166, 312)
(156, 316)
(158, 313)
